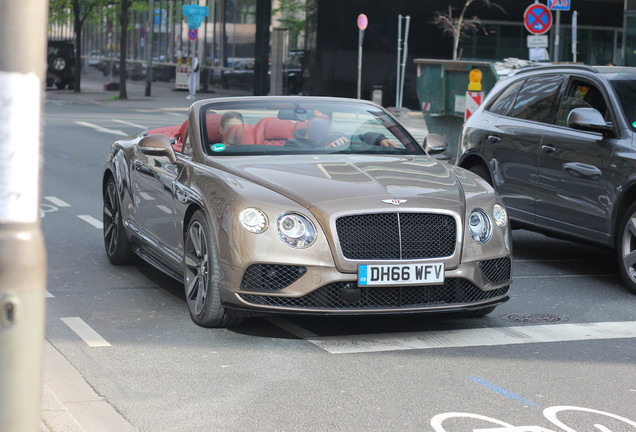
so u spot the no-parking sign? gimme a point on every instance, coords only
(537, 18)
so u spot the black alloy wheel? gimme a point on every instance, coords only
(202, 275)
(117, 247)
(626, 248)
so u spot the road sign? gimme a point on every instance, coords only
(537, 41)
(537, 18)
(562, 5)
(193, 34)
(363, 21)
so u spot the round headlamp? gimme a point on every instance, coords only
(500, 215)
(253, 220)
(296, 230)
(479, 226)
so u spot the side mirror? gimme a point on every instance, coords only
(434, 144)
(588, 119)
(157, 145)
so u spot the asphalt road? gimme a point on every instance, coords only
(163, 373)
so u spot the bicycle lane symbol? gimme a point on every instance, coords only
(549, 413)
(47, 208)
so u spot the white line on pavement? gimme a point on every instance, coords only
(86, 332)
(48, 295)
(92, 221)
(56, 201)
(101, 129)
(350, 344)
(129, 123)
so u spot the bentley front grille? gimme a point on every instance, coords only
(397, 236)
(270, 277)
(340, 295)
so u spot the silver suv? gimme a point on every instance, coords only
(557, 143)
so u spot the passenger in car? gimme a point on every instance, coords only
(318, 134)
(232, 127)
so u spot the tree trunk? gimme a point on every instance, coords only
(123, 19)
(458, 33)
(77, 25)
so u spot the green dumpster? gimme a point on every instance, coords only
(441, 90)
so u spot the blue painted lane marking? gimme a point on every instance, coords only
(501, 391)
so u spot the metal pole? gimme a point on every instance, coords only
(404, 57)
(22, 254)
(575, 15)
(557, 29)
(149, 34)
(360, 39)
(399, 60)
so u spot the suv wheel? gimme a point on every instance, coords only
(626, 248)
(59, 63)
(482, 172)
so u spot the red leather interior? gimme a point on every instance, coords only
(273, 131)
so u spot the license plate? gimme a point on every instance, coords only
(404, 274)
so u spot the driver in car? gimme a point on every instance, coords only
(318, 134)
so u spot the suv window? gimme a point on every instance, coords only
(504, 100)
(582, 94)
(537, 99)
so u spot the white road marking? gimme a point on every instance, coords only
(48, 295)
(92, 221)
(101, 129)
(146, 196)
(56, 201)
(86, 332)
(130, 124)
(164, 209)
(351, 344)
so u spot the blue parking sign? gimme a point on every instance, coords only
(562, 5)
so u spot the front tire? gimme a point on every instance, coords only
(116, 243)
(202, 275)
(626, 248)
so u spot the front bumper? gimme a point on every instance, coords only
(318, 290)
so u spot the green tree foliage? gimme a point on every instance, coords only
(291, 14)
(80, 12)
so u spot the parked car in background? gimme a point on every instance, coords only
(557, 144)
(308, 206)
(60, 69)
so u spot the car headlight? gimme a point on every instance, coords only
(253, 220)
(479, 226)
(500, 215)
(296, 230)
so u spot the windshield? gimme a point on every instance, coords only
(626, 92)
(301, 126)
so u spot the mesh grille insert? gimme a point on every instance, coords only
(453, 291)
(270, 276)
(394, 236)
(496, 270)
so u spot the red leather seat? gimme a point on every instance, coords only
(248, 137)
(273, 131)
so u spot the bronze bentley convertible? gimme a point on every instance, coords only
(305, 205)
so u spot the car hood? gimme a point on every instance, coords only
(335, 180)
